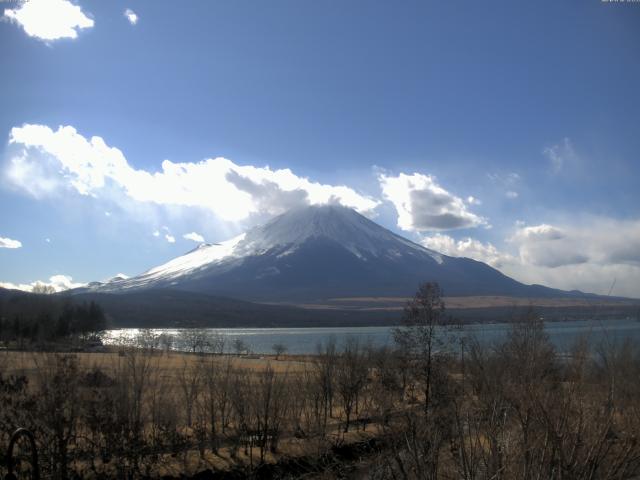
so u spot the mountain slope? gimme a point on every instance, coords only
(320, 252)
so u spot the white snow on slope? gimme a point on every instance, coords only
(359, 235)
(196, 258)
(283, 236)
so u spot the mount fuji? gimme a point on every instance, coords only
(317, 253)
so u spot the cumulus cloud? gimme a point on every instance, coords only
(467, 247)
(196, 237)
(423, 205)
(587, 256)
(169, 238)
(49, 160)
(58, 282)
(603, 241)
(587, 277)
(9, 243)
(49, 19)
(32, 176)
(560, 154)
(542, 245)
(131, 16)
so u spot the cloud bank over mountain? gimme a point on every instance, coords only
(47, 160)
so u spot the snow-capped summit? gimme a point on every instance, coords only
(318, 252)
(344, 226)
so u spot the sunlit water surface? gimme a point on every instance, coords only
(306, 340)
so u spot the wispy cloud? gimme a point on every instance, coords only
(193, 236)
(559, 155)
(49, 19)
(423, 205)
(9, 243)
(507, 182)
(131, 16)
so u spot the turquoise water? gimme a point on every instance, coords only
(306, 340)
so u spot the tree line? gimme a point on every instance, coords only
(29, 320)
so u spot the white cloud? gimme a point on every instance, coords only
(587, 256)
(466, 247)
(131, 16)
(9, 243)
(58, 282)
(587, 277)
(49, 19)
(117, 276)
(196, 237)
(423, 205)
(156, 233)
(52, 159)
(170, 238)
(511, 194)
(471, 200)
(560, 154)
(32, 176)
(602, 241)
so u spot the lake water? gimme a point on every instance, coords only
(306, 340)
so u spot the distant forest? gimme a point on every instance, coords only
(41, 318)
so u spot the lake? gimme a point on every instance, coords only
(305, 340)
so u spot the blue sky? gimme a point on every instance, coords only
(502, 131)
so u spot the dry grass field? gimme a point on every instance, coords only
(513, 410)
(167, 364)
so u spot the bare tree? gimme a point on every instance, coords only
(351, 377)
(189, 381)
(279, 349)
(418, 336)
(270, 404)
(240, 346)
(326, 363)
(43, 289)
(166, 342)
